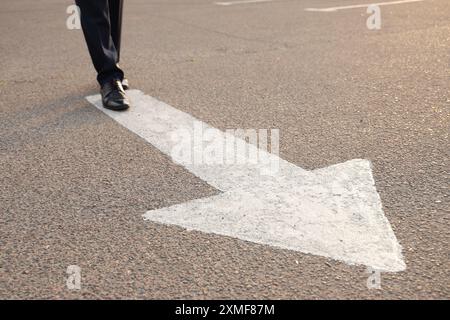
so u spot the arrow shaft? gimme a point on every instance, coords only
(224, 161)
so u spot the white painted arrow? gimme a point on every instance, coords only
(334, 212)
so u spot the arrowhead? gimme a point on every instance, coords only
(333, 212)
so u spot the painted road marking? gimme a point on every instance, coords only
(334, 9)
(333, 212)
(230, 3)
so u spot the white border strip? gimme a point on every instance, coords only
(334, 9)
(230, 3)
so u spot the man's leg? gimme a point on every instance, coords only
(115, 14)
(96, 23)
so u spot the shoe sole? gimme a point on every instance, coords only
(118, 108)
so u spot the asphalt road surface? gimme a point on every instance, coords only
(75, 184)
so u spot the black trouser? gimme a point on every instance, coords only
(101, 22)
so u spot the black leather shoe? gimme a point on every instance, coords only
(114, 97)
